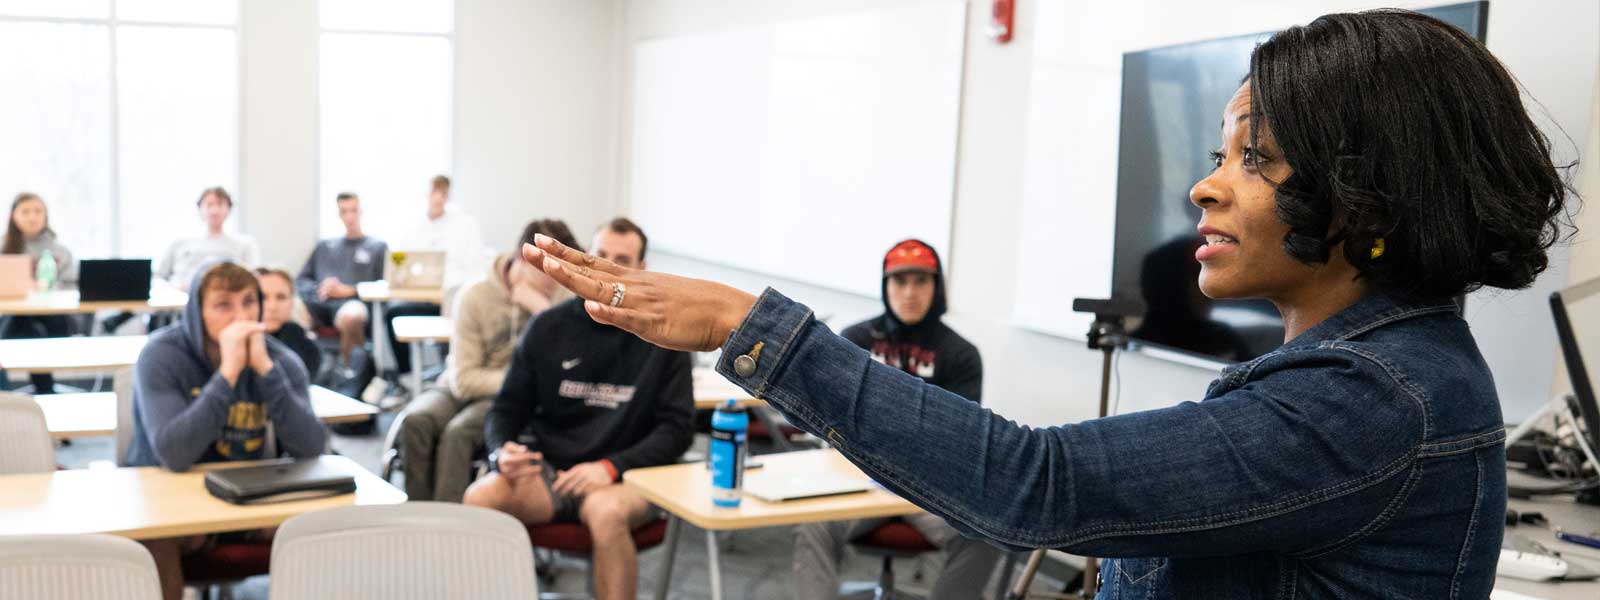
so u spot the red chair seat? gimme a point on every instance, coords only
(573, 538)
(897, 536)
(228, 562)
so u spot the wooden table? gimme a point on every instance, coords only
(684, 491)
(419, 330)
(65, 302)
(95, 414)
(379, 292)
(71, 355)
(145, 503)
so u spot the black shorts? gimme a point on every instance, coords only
(563, 507)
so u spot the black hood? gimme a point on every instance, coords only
(891, 323)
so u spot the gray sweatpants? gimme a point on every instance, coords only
(437, 439)
(818, 547)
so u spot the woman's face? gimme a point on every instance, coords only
(277, 302)
(1244, 255)
(30, 217)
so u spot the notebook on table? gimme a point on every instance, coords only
(283, 480)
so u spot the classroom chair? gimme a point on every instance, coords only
(895, 539)
(25, 444)
(572, 539)
(76, 567)
(420, 550)
(222, 564)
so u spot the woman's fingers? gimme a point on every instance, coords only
(573, 257)
(631, 320)
(582, 281)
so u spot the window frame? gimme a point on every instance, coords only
(113, 22)
(450, 103)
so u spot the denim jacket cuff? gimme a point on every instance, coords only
(771, 328)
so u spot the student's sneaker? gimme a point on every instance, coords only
(375, 391)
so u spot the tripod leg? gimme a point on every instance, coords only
(1020, 590)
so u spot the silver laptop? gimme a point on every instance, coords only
(415, 269)
(772, 485)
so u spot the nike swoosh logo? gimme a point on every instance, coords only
(569, 364)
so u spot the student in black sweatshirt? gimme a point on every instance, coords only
(277, 313)
(598, 402)
(909, 336)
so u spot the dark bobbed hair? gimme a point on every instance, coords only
(1404, 128)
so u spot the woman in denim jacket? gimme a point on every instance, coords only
(1373, 166)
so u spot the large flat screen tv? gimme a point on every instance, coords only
(1172, 100)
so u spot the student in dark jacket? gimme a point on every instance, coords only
(598, 402)
(909, 336)
(206, 388)
(277, 313)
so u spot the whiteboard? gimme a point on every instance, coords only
(803, 149)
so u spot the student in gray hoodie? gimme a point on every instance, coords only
(205, 388)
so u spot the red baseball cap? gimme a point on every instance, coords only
(910, 255)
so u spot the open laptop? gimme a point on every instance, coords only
(773, 485)
(16, 275)
(415, 269)
(101, 280)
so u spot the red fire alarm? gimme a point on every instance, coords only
(1001, 22)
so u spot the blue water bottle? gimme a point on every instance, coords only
(728, 426)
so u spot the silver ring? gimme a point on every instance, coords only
(618, 292)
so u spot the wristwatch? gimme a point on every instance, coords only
(494, 461)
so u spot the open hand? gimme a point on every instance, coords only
(673, 312)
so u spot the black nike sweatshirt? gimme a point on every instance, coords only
(590, 392)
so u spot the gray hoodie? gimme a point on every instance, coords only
(184, 412)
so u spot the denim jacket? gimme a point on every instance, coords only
(1363, 459)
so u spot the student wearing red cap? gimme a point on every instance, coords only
(909, 336)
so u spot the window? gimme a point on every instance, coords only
(385, 92)
(122, 113)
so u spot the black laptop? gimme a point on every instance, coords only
(101, 280)
(284, 480)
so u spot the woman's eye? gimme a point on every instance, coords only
(1216, 159)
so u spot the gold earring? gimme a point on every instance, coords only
(1377, 248)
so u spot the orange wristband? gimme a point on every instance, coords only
(610, 468)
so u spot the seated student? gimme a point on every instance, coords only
(328, 281)
(185, 256)
(909, 336)
(449, 228)
(277, 313)
(599, 401)
(442, 428)
(28, 232)
(205, 389)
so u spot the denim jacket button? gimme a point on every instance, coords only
(744, 366)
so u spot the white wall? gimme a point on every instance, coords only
(535, 113)
(278, 140)
(1040, 379)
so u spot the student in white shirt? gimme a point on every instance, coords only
(186, 255)
(452, 230)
